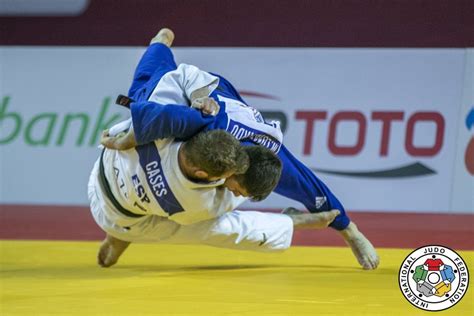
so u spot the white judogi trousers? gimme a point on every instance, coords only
(244, 230)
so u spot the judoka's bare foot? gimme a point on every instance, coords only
(164, 36)
(110, 251)
(362, 248)
(302, 220)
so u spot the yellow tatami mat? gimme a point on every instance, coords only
(62, 278)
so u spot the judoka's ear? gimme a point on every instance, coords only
(201, 174)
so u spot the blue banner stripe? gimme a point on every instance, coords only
(150, 162)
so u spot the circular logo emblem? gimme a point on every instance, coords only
(433, 278)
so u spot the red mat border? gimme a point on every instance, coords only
(388, 230)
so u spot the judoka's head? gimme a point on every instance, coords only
(213, 155)
(261, 177)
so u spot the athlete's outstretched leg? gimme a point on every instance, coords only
(164, 36)
(110, 251)
(157, 56)
(250, 230)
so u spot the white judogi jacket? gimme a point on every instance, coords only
(147, 180)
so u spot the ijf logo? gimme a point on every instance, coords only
(433, 278)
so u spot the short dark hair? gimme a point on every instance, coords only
(216, 152)
(263, 173)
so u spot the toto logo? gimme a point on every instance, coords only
(433, 278)
(385, 118)
(410, 122)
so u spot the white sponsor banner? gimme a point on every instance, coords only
(378, 125)
(463, 186)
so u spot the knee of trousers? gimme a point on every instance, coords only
(250, 230)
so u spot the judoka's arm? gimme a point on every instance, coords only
(153, 121)
(299, 183)
(194, 82)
